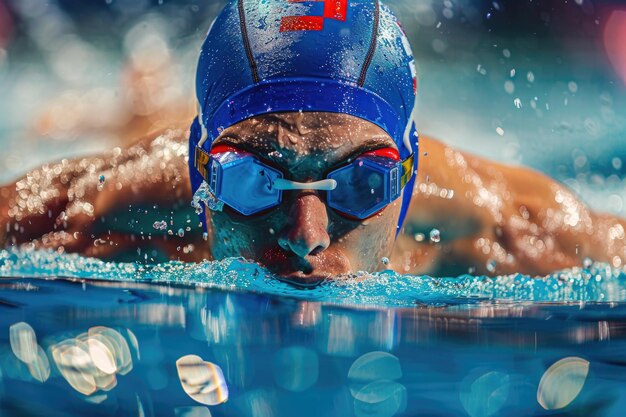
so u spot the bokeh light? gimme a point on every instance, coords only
(615, 41)
(372, 382)
(380, 398)
(202, 381)
(483, 393)
(562, 382)
(296, 368)
(371, 367)
(23, 342)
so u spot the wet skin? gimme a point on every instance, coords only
(492, 218)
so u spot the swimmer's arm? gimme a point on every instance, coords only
(106, 205)
(500, 219)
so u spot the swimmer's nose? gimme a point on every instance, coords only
(306, 230)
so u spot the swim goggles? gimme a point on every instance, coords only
(359, 189)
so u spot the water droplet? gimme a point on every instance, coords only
(385, 260)
(101, 180)
(587, 262)
(435, 236)
(530, 77)
(518, 103)
(419, 237)
(181, 232)
(500, 131)
(491, 265)
(160, 225)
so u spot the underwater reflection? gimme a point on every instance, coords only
(380, 398)
(562, 382)
(23, 342)
(202, 381)
(371, 367)
(296, 368)
(24, 346)
(88, 362)
(483, 393)
(76, 366)
(259, 355)
(109, 350)
(372, 385)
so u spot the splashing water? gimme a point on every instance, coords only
(598, 283)
(205, 196)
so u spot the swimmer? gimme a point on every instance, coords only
(304, 157)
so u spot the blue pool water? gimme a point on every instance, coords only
(82, 337)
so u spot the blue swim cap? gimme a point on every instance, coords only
(339, 56)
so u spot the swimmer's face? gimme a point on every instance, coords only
(304, 240)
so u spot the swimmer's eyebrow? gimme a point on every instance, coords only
(264, 152)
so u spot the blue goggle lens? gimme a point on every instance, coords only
(363, 187)
(244, 183)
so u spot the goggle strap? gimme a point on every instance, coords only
(201, 161)
(407, 170)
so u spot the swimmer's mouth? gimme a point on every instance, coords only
(302, 280)
(295, 270)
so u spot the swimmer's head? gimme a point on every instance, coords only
(306, 87)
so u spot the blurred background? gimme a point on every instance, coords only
(533, 82)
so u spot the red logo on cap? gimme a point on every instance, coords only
(333, 9)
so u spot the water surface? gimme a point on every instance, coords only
(377, 345)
